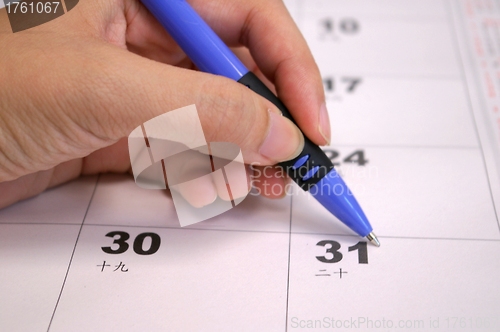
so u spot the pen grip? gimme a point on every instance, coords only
(312, 164)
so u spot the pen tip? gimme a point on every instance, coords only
(373, 239)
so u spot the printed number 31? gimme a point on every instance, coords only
(337, 255)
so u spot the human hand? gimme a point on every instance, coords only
(74, 88)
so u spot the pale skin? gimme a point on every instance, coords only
(73, 89)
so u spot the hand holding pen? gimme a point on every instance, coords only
(310, 168)
(74, 88)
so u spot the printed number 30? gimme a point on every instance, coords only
(122, 238)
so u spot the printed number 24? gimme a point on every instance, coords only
(357, 157)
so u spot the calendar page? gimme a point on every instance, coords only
(412, 89)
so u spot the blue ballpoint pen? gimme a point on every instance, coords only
(312, 170)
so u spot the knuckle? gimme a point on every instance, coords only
(229, 112)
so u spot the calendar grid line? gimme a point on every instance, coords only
(408, 77)
(389, 146)
(38, 223)
(458, 54)
(72, 254)
(289, 254)
(292, 232)
(390, 18)
(266, 232)
(429, 238)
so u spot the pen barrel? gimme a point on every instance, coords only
(312, 164)
(209, 53)
(200, 43)
(311, 169)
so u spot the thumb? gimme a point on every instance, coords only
(142, 89)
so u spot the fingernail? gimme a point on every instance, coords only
(275, 110)
(199, 201)
(324, 124)
(284, 140)
(198, 193)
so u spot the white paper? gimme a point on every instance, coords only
(428, 187)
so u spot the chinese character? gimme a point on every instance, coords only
(122, 267)
(103, 266)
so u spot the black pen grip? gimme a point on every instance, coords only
(312, 164)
